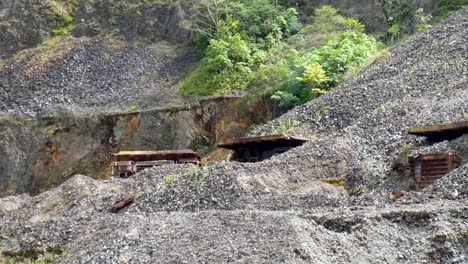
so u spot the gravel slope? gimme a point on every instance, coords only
(90, 76)
(424, 81)
(279, 211)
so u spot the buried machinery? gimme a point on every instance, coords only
(429, 167)
(130, 162)
(254, 149)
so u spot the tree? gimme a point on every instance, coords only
(326, 22)
(423, 19)
(206, 16)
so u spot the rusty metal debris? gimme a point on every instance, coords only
(426, 169)
(130, 162)
(395, 195)
(441, 131)
(122, 202)
(253, 149)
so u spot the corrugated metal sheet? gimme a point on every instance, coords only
(174, 155)
(234, 143)
(428, 168)
(441, 131)
(158, 152)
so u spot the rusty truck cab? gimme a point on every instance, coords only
(123, 169)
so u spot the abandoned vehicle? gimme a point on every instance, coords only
(127, 163)
(254, 149)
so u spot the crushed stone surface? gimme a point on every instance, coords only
(90, 76)
(280, 210)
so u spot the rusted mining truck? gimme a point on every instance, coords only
(128, 163)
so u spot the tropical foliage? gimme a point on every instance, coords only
(261, 46)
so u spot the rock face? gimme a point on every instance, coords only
(59, 147)
(150, 20)
(28, 23)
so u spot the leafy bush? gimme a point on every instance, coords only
(423, 19)
(64, 12)
(448, 7)
(240, 36)
(247, 49)
(314, 76)
(324, 67)
(227, 63)
(326, 22)
(344, 51)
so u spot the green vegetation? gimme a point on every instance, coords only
(31, 256)
(405, 148)
(170, 178)
(396, 12)
(326, 23)
(133, 108)
(399, 13)
(261, 46)
(448, 7)
(139, 194)
(423, 19)
(285, 126)
(201, 145)
(64, 11)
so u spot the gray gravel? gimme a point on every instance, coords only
(89, 76)
(279, 210)
(424, 81)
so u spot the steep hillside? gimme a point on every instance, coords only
(422, 81)
(91, 76)
(279, 210)
(90, 56)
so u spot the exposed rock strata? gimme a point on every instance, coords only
(59, 147)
